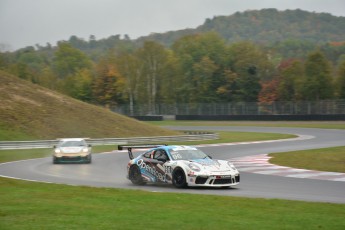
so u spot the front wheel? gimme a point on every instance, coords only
(89, 159)
(55, 161)
(179, 178)
(135, 175)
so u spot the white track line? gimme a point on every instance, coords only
(260, 164)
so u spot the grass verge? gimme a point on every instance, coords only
(296, 124)
(26, 205)
(23, 154)
(326, 159)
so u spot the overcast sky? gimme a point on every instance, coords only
(30, 22)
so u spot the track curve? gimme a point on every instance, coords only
(109, 169)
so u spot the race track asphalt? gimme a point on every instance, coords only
(109, 169)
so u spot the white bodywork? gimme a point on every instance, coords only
(198, 168)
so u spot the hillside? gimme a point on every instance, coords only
(28, 111)
(266, 26)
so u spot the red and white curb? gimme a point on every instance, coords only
(259, 164)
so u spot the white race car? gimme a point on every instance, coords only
(180, 165)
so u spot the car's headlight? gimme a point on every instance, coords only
(194, 167)
(57, 150)
(232, 166)
(85, 150)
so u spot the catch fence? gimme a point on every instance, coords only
(237, 108)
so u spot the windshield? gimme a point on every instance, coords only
(187, 154)
(71, 143)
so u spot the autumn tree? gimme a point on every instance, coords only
(269, 92)
(109, 85)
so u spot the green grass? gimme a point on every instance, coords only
(26, 205)
(326, 159)
(31, 112)
(23, 154)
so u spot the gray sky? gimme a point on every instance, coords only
(30, 22)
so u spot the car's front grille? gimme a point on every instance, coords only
(72, 159)
(222, 181)
(200, 180)
(218, 180)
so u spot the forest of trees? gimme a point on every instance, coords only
(196, 68)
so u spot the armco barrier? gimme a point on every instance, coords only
(110, 141)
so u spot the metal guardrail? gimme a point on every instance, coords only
(109, 141)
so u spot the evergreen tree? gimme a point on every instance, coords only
(290, 81)
(68, 60)
(318, 82)
(341, 80)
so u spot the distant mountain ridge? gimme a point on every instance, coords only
(266, 26)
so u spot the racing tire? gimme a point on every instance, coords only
(89, 160)
(179, 178)
(55, 161)
(134, 175)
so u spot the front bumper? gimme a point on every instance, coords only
(214, 180)
(72, 159)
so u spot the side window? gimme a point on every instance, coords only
(148, 154)
(160, 154)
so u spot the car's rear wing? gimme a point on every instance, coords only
(130, 147)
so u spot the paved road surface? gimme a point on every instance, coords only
(109, 169)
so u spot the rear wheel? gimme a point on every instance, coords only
(179, 178)
(135, 175)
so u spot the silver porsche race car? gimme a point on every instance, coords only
(72, 150)
(181, 166)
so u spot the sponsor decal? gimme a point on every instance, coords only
(151, 170)
(223, 177)
(168, 169)
(176, 156)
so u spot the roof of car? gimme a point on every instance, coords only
(177, 147)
